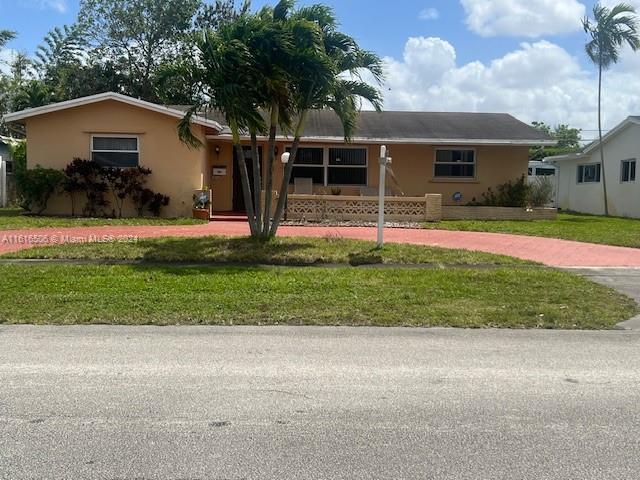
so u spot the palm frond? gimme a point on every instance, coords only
(6, 36)
(185, 132)
(282, 9)
(609, 30)
(322, 15)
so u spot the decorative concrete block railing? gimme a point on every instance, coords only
(317, 208)
(497, 213)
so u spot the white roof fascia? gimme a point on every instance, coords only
(100, 97)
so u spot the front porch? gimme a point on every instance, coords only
(319, 208)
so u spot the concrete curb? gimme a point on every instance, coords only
(633, 324)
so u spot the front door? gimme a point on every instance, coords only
(238, 197)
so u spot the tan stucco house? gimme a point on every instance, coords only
(457, 155)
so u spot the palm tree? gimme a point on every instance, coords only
(265, 71)
(238, 74)
(609, 30)
(6, 36)
(332, 81)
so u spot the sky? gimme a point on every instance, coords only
(524, 57)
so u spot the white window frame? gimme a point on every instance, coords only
(581, 181)
(325, 163)
(115, 135)
(629, 161)
(436, 163)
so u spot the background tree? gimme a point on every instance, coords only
(568, 138)
(609, 30)
(5, 82)
(62, 46)
(211, 16)
(139, 36)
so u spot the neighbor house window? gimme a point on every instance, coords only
(589, 173)
(330, 166)
(455, 164)
(545, 172)
(628, 171)
(9, 166)
(115, 151)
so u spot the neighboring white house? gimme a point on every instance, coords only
(579, 175)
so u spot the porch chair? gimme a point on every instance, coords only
(303, 186)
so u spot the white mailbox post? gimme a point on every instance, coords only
(385, 161)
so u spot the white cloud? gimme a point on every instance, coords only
(59, 6)
(612, 3)
(429, 14)
(538, 81)
(523, 18)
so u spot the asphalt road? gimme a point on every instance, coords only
(317, 403)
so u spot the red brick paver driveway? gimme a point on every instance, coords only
(552, 252)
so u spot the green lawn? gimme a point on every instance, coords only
(280, 251)
(624, 232)
(12, 219)
(133, 294)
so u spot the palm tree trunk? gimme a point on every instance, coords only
(275, 110)
(246, 189)
(603, 173)
(244, 178)
(257, 179)
(284, 188)
(286, 178)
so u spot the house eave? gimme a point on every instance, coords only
(22, 115)
(401, 141)
(621, 126)
(560, 158)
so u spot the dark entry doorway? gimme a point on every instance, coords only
(238, 197)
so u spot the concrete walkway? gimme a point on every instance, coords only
(624, 280)
(549, 251)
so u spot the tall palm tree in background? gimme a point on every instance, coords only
(610, 30)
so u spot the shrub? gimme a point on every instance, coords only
(86, 176)
(510, 194)
(73, 182)
(541, 192)
(36, 186)
(124, 182)
(156, 203)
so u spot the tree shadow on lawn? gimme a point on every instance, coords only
(249, 251)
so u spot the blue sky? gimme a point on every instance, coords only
(383, 28)
(521, 56)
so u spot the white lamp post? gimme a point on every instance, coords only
(286, 156)
(385, 161)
